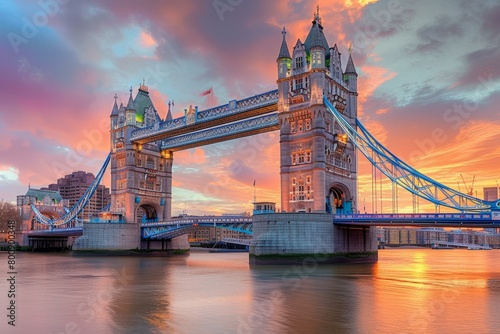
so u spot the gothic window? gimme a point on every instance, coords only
(308, 124)
(292, 127)
(130, 117)
(138, 162)
(308, 192)
(306, 82)
(298, 83)
(120, 162)
(301, 126)
(299, 62)
(150, 185)
(301, 192)
(308, 156)
(150, 163)
(316, 58)
(294, 160)
(294, 180)
(308, 179)
(122, 184)
(301, 158)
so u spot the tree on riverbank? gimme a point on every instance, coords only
(8, 212)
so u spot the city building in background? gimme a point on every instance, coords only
(72, 187)
(428, 236)
(490, 193)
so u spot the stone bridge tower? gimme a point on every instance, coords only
(141, 175)
(318, 162)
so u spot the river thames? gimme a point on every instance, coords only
(407, 291)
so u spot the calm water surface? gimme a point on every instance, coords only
(407, 291)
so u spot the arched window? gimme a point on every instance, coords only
(150, 163)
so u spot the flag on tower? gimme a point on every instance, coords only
(208, 91)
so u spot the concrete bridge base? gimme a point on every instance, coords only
(292, 238)
(122, 237)
(177, 243)
(109, 236)
(49, 243)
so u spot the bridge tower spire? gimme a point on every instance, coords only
(318, 163)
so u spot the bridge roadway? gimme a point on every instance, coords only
(177, 226)
(233, 111)
(485, 219)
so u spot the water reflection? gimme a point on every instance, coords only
(140, 300)
(407, 291)
(298, 299)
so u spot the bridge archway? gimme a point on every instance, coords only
(146, 213)
(339, 199)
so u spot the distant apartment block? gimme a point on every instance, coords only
(73, 186)
(490, 193)
(427, 236)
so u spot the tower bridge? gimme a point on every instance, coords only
(314, 108)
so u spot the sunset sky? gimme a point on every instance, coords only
(429, 86)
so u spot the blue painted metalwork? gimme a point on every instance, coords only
(485, 219)
(77, 208)
(403, 174)
(244, 242)
(257, 101)
(166, 126)
(231, 108)
(248, 125)
(57, 232)
(172, 227)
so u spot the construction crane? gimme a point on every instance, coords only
(470, 191)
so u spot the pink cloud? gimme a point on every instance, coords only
(147, 40)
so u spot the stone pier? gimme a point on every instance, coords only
(123, 237)
(291, 238)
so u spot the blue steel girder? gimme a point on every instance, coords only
(78, 207)
(233, 111)
(226, 132)
(70, 231)
(484, 219)
(403, 174)
(172, 229)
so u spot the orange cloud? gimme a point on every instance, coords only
(147, 40)
(194, 156)
(370, 79)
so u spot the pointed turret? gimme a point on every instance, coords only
(130, 104)
(316, 36)
(114, 112)
(169, 113)
(284, 58)
(130, 110)
(316, 44)
(284, 53)
(350, 68)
